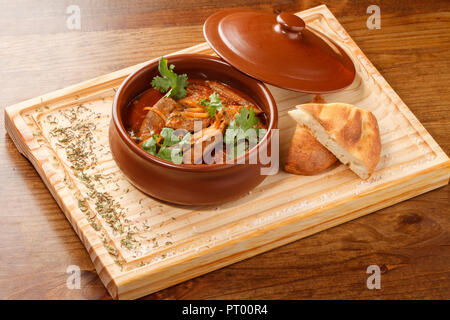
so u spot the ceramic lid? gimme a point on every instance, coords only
(280, 50)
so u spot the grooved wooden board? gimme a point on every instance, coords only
(139, 245)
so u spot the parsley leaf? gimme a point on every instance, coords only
(149, 145)
(170, 154)
(238, 133)
(169, 79)
(245, 120)
(170, 138)
(171, 147)
(214, 104)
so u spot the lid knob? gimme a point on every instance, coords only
(290, 23)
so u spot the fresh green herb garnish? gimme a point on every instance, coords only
(149, 145)
(170, 138)
(214, 104)
(171, 147)
(169, 79)
(238, 132)
(166, 154)
(245, 120)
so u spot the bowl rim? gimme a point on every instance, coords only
(273, 115)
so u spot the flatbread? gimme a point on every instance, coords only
(349, 132)
(306, 156)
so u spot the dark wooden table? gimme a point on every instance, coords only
(409, 241)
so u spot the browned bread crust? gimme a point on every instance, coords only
(355, 129)
(306, 156)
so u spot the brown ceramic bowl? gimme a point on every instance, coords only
(188, 184)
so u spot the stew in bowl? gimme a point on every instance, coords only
(157, 129)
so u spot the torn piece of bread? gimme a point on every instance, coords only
(350, 133)
(306, 156)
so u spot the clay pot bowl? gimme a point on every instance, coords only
(188, 184)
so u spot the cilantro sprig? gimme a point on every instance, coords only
(243, 132)
(176, 83)
(171, 147)
(245, 120)
(213, 104)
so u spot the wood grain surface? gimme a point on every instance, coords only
(410, 241)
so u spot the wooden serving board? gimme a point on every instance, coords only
(140, 245)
